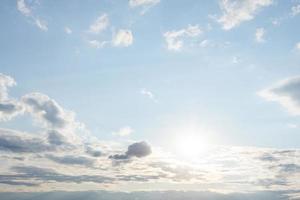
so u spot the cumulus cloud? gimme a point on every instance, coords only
(138, 149)
(26, 10)
(123, 38)
(286, 93)
(100, 24)
(235, 12)
(175, 39)
(259, 35)
(9, 108)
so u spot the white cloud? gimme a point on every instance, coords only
(298, 46)
(149, 94)
(175, 39)
(235, 12)
(295, 10)
(41, 24)
(137, 3)
(100, 24)
(286, 93)
(68, 30)
(124, 131)
(259, 35)
(27, 12)
(97, 44)
(123, 38)
(145, 4)
(23, 8)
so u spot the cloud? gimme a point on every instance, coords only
(26, 10)
(138, 149)
(18, 142)
(23, 8)
(97, 44)
(9, 108)
(235, 12)
(68, 30)
(295, 10)
(148, 94)
(99, 25)
(71, 160)
(298, 46)
(137, 3)
(123, 38)
(145, 4)
(286, 93)
(259, 35)
(175, 39)
(124, 131)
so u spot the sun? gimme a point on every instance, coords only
(191, 145)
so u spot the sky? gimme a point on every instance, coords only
(162, 94)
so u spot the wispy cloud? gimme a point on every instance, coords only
(27, 12)
(145, 4)
(124, 131)
(235, 12)
(175, 39)
(68, 30)
(295, 10)
(148, 94)
(260, 35)
(100, 24)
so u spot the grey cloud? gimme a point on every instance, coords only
(93, 152)
(43, 175)
(138, 149)
(45, 109)
(20, 143)
(71, 160)
(286, 93)
(289, 168)
(56, 138)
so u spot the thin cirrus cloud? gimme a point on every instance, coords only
(144, 4)
(285, 92)
(100, 24)
(235, 12)
(175, 39)
(124, 131)
(260, 35)
(26, 10)
(295, 10)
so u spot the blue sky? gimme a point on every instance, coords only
(154, 71)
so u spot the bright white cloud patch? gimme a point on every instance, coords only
(124, 131)
(41, 24)
(123, 38)
(259, 35)
(100, 24)
(235, 11)
(175, 39)
(286, 93)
